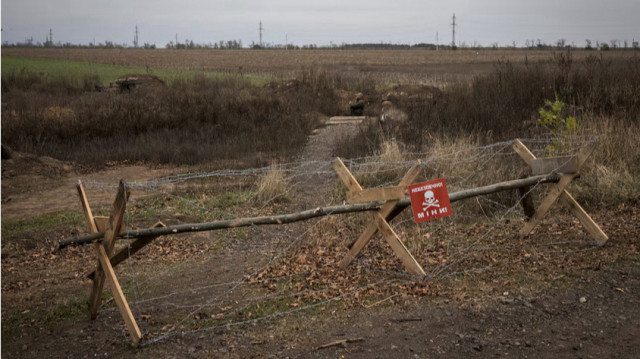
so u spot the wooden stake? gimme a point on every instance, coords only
(379, 194)
(587, 222)
(565, 197)
(410, 263)
(385, 211)
(113, 228)
(522, 150)
(347, 178)
(118, 296)
(86, 209)
(528, 207)
(547, 202)
(355, 190)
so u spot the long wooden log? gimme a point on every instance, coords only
(309, 214)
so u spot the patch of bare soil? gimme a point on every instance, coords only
(562, 302)
(34, 185)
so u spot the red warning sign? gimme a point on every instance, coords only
(429, 200)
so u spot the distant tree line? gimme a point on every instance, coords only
(189, 44)
(237, 44)
(102, 45)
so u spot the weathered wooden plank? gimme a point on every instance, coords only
(118, 296)
(103, 221)
(115, 222)
(346, 177)
(554, 193)
(587, 222)
(379, 194)
(564, 165)
(524, 153)
(86, 209)
(372, 228)
(409, 262)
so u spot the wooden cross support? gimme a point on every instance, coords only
(570, 169)
(112, 226)
(379, 221)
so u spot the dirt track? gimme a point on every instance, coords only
(584, 309)
(34, 186)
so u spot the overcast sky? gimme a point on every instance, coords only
(322, 22)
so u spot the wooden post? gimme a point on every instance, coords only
(386, 212)
(86, 209)
(347, 178)
(559, 191)
(398, 247)
(118, 296)
(587, 222)
(113, 228)
(392, 196)
(104, 269)
(554, 193)
(528, 207)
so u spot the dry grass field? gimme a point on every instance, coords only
(391, 66)
(239, 133)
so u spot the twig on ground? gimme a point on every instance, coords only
(380, 301)
(340, 342)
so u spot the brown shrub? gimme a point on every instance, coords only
(192, 121)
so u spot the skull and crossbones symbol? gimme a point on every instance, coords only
(429, 201)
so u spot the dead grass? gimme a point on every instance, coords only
(611, 177)
(272, 187)
(384, 168)
(188, 122)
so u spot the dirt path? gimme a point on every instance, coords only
(316, 157)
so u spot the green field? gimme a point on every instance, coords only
(107, 73)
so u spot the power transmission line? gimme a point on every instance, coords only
(453, 34)
(135, 39)
(260, 29)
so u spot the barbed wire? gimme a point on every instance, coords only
(462, 167)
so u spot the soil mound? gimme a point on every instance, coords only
(130, 82)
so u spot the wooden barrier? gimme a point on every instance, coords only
(308, 214)
(559, 191)
(106, 260)
(379, 220)
(384, 203)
